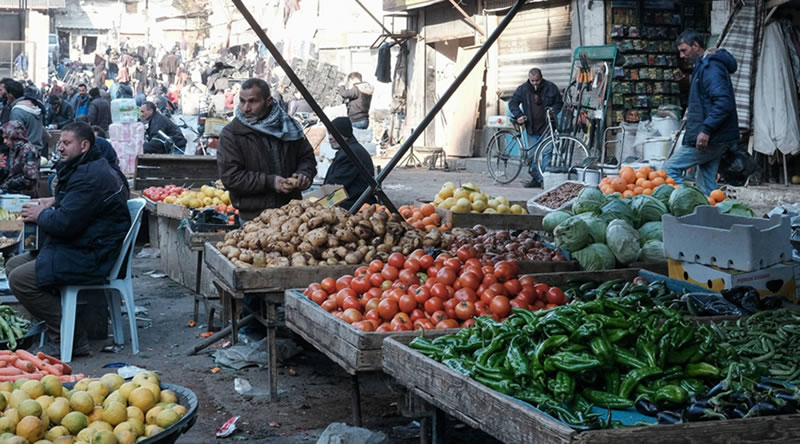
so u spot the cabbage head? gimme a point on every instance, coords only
(589, 199)
(551, 221)
(623, 240)
(572, 234)
(684, 199)
(735, 208)
(652, 253)
(647, 208)
(595, 257)
(662, 193)
(618, 209)
(651, 231)
(597, 226)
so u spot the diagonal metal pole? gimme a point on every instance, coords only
(445, 97)
(375, 187)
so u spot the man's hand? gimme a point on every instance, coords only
(303, 181)
(702, 142)
(521, 119)
(30, 213)
(45, 202)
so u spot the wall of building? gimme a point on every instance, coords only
(37, 51)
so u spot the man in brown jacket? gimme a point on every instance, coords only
(264, 159)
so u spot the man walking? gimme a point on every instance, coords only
(529, 105)
(712, 124)
(358, 97)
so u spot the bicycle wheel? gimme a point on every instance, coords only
(504, 156)
(566, 152)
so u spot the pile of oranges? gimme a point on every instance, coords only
(423, 218)
(635, 182)
(716, 197)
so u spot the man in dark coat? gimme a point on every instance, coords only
(529, 105)
(99, 110)
(154, 122)
(712, 124)
(357, 94)
(59, 112)
(343, 171)
(81, 231)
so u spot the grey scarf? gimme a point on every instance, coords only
(277, 124)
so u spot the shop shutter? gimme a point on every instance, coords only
(540, 36)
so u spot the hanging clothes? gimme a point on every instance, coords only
(384, 71)
(741, 44)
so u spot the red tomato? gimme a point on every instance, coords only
(423, 324)
(512, 286)
(527, 295)
(519, 303)
(329, 305)
(389, 272)
(376, 279)
(481, 308)
(541, 291)
(465, 252)
(468, 323)
(364, 326)
(408, 276)
(396, 260)
(401, 318)
(400, 327)
(489, 279)
(450, 307)
(465, 294)
(447, 323)
(465, 310)
(527, 280)
(438, 316)
(638, 280)
(446, 276)
(439, 290)
(416, 254)
(351, 315)
(360, 284)
(407, 303)
(343, 282)
(417, 314)
(319, 296)
(443, 257)
(383, 328)
(503, 271)
(426, 261)
(433, 304)
(387, 309)
(453, 263)
(469, 280)
(498, 289)
(472, 262)
(376, 266)
(487, 296)
(329, 285)
(487, 270)
(474, 270)
(371, 304)
(362, 271)
(395, 293)
(556, 296)
(412, 264)
(500, 306)
(432, 270)
(421, 295)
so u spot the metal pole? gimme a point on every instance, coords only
(445, 97)
(468, 18)
(374, 185)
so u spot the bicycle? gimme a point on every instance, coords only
(506, 157)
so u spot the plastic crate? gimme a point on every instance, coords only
(710, 237)
(536, 208)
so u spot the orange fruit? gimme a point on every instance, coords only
(618, 184)
(626, 168)
(717, 195)
(658, 181)
(631, 186)
(627, 175)
(435, 218)
(638, 190)
(647, 184)
(606, 189)
(670, 181)
(640, 181)
(427, 209)
(711, 201)
(645, 170)
(627, 193)
(652, 175)
(605, 180)
(662, 174)
(641, 175)
(648, 191)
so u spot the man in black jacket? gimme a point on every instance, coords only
(81, 231)
(343, 171)
(357, 94)
(529, 105)
(59, 113)
(154, 122)
(99, 110)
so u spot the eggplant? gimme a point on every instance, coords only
(668, 417)
(788, 400)
(770, 386)
(646, 407)
(734, 412)
(742, 398)
(695, 412)
(717, 389)
(764, 408)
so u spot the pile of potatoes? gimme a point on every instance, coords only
(305, 233)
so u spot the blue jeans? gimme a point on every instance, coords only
(706, 161)
(361, 124)
(547, 156)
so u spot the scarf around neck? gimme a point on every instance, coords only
(277, 124)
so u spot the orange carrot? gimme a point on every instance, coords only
(26, 366)
(10, 371)
(13, 378)
(66, 368)
(3, 364)
(8, 358)
(6, 352)
(71, 378)
(38, 363)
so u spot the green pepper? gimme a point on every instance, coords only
(534, 397)
(627, 358)
(493, 373)
(701, 369)
(607, 400)
(551, 342)
(693, 386)
(683, 355)
(529, 316)
(650, 353)
(634, 377)
(616, 334)
(681, 336)
(601, 349)
(564, 387)
(671, 395)
(482, 355)
(587, 329)
(425, 347)
(575, 348)
(497, 359)
(591, 285)
(570, 362)
(504, 386)
(609, 321)
(612, 380)
(516, 360)
(457, 365)
(605, 286)
(560, 319)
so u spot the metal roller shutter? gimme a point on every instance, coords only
(539, 36)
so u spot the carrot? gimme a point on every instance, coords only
(66, 368)
(26, 366)
(3, 364)
(71, 378)
(13, 378)
(10, 371)
(38, 363)
(8, 358)
(6, 352)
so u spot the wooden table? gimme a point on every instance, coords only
(195, 243)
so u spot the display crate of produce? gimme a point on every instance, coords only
(513, 421)
(172, 211)
(354, 350)
(275, 278)
(560, 197)
(505, 221)
(710, 237)
(157, 170)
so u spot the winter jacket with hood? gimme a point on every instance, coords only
(712, 104)
(358, 100)
(31, 114)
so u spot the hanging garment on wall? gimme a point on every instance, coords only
(741, 44)
(383, 73)
(775, 122)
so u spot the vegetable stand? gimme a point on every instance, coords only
(354, 350)
(267, 284)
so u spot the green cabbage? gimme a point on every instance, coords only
(647, 208)
(551, 221)
(597, 226)
(613, 196)
(662, 193)
(651, 231)
(572, 234)
(735, 208)
(589, 199)
(618, 209)
(652, 253)
(595, 257)
(684, 199)
(623, 240)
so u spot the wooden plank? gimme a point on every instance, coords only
(172, 211)
(152, 227)
(499, 415)
(557, 279)
(166, 169)
(196, 240)
(492, 221)
(528, 267)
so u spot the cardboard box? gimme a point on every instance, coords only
(13, 202)
(11, 225)
(327, 195)
(779, 279)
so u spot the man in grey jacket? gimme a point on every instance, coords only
(27, 110)
(357, 94)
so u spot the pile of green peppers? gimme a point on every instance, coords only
(608, 352)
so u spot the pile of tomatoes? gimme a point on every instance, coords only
(420, 292)
(158, 194)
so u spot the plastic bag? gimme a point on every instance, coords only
(736, 165)
(711, 304)
(745, 297)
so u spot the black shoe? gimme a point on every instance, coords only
(533, 184)
(80, 347)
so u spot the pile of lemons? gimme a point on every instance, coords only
(207, 196)
(96, 411)
(470, 199)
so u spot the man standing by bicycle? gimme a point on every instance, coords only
(529, 105)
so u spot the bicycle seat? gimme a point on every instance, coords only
(500, 122)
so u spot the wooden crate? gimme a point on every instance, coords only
(171, 211)
(492, 221)
(158, 170)
(273, 279)
(354, 350)
(514, 421)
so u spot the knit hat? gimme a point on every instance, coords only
(344, 126)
